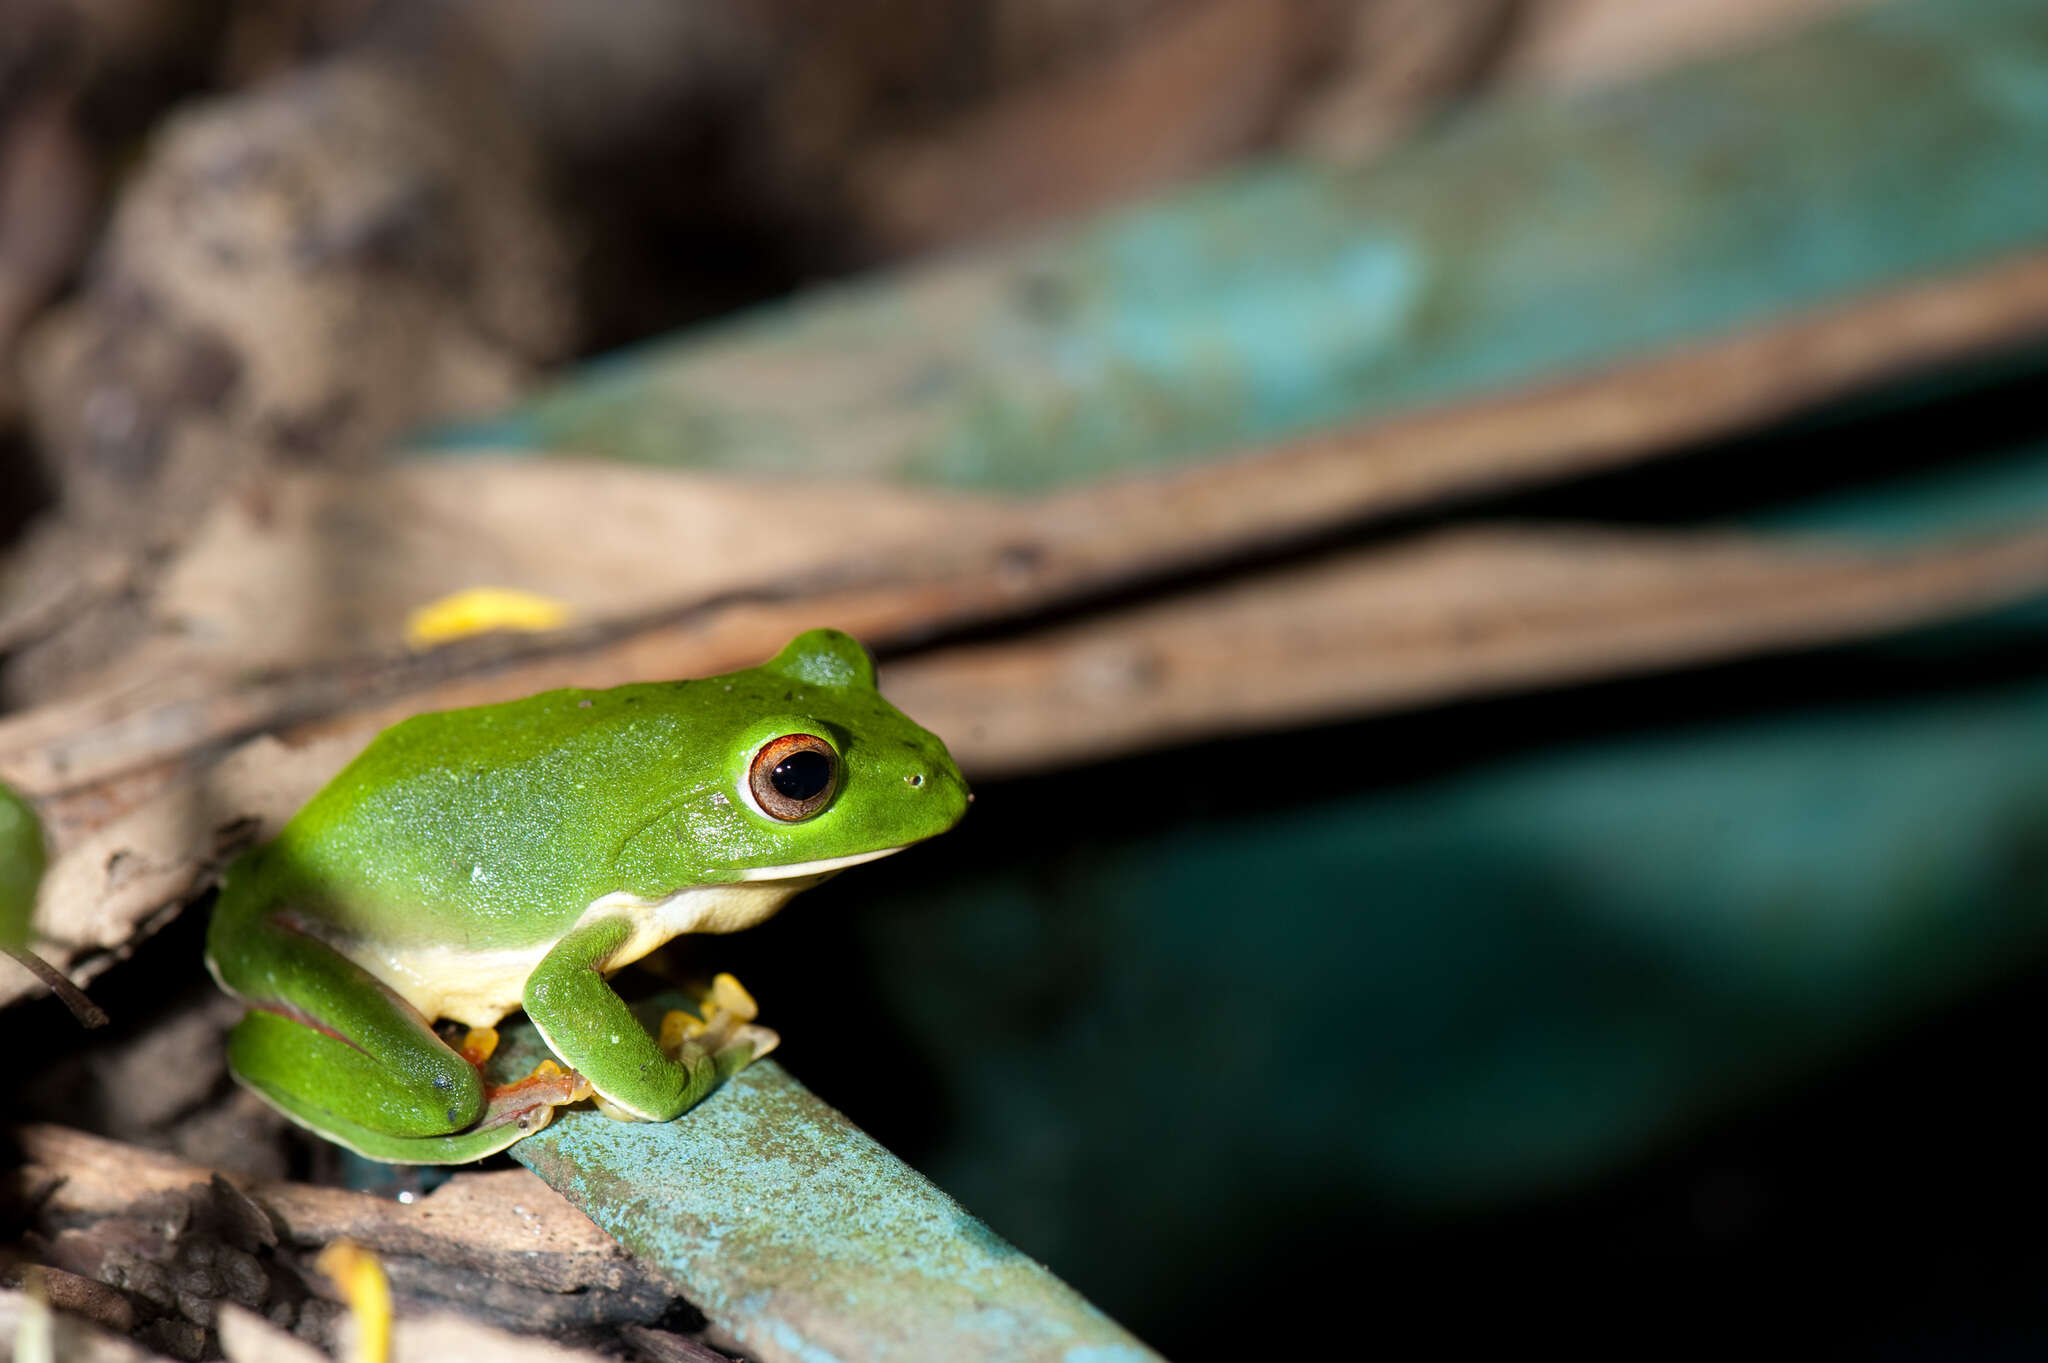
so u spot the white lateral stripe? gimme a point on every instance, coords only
(800, 869)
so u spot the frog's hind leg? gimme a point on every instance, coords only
(332, 1047)
(506, 1113)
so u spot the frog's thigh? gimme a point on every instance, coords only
(382, 1068)
(590, 1028)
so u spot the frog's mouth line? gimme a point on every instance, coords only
(798, 870)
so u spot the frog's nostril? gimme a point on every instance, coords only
(915, 778)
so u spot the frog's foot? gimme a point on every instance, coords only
(529, 1104)
(725, 1039)
(512, 1112)
(727, 1012)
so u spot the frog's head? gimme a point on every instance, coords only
(816, 771)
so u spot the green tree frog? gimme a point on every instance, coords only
(473, 862)
(22, 859)
(21, 868)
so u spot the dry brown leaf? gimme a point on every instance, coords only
(1466, 612)
(319, 567)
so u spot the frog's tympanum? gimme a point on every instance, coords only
(474, 862)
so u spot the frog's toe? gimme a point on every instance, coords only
(728, 995)
(724, 995)
(478, 1045)
(726, 1009)
(614, 1111)
(758, 1041)
(678, 1027)
(728, 1041)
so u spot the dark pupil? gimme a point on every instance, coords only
(801, 775)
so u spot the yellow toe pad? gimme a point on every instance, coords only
(730, 995)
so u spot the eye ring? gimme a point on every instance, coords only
(793, 777)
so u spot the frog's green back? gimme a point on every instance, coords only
(497, 826)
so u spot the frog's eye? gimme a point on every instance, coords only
(793, 776)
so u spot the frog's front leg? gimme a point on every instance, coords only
(590, 1028)
(332, 1047)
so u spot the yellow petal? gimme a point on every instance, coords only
(479, 610)
(359, 1278)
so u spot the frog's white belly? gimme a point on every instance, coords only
(476, 988)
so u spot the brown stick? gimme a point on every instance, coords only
(88, 1013)
(1468, 612)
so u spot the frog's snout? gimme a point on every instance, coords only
(941, 793)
